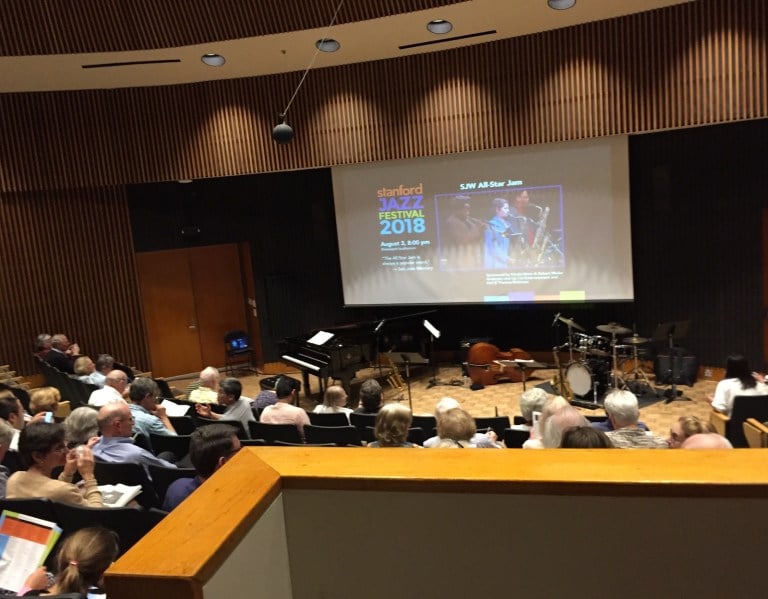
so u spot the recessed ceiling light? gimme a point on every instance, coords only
(439, 26)
(561, 4)
(213, 60)
(327, 45)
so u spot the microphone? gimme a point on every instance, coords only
(554, 322)
(378, 326)
(539, 208)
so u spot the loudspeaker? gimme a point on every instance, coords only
(685, 368)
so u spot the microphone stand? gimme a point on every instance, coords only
(407, 362)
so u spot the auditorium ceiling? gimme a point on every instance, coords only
(99, 44)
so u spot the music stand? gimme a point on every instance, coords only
(406, 359)
(433, 334)
(523, 365)
(668, 331)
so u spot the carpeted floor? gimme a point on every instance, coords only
(501, 399)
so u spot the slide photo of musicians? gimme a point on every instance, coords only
(507, 229)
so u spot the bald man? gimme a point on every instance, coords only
(208, 391)
(115, 386)
(706, 441)
(116, 445)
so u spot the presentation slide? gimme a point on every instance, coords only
(548, 223)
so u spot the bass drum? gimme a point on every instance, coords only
(579, 377)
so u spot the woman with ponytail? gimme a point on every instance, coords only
(81, 562)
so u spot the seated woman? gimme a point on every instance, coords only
(738, 381)
(584, 437)
(685, 427)
(392, 424)
(455, 428)
(41, 449)
(81, 562)
(81, 427)
(335, 400)
(44, 399)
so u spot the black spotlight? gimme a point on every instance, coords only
(283, 132)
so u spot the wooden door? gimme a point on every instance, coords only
(220, 301)
(169, 312)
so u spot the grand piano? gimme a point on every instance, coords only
(337, 354)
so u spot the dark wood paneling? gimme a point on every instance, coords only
(67, 266)
(692, 64)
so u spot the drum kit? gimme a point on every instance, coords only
(596, 362)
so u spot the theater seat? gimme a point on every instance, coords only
(744, 407)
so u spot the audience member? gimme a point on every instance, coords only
(552, 428)
(44, 399)
(284, 412)
(455, 429)
(370, 397)
(532, 400)
(62, 354)
(207, 390)
(584, 437)
(266, 397)
(485, 440)
(81, 427)
(706, 441)
(104, 365)
(84, 368)
(687, 426)
(116, 444)
(210, 447)
(6, 436)
(42, 346)
(623, 411)
(237, 408)
(42, 449)
(12, 412)
(149, 417)
(115, 387)
(334, 401)
(552, 405)
(81, 562)
(738, 381)
(392, 424)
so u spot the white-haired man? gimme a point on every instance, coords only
(115, 386)
(208, 391)
(554, 426)
(624, 413)
(531, 401)
(447, 404)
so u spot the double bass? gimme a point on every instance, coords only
(483, 368)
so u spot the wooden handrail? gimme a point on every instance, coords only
(182, 553)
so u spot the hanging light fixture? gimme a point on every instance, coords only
(283, 132)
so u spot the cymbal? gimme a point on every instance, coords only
(613, 328)
(635, 340)
(571, 323)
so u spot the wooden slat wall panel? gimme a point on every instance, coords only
(116, 25)
(687, 65)
(68, 266)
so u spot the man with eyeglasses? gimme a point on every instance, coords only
(149, 416)
(114, 388)
(116, 445)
